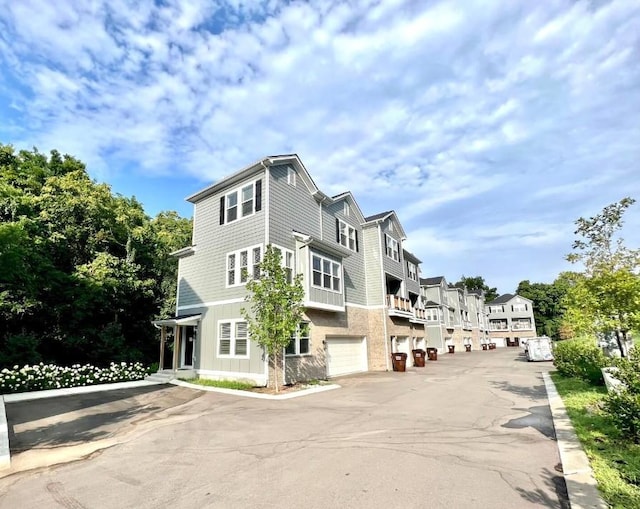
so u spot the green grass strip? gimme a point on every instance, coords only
(614, 460)
(223, 384)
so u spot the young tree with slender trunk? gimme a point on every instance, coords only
(605, 297)
(276, 307)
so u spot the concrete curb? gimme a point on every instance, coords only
(5, 456)
(581, 484)
(257, 395)
(54, 393)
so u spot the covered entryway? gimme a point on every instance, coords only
(177, 341)
(345, 355)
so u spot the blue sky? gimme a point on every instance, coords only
(489, 126)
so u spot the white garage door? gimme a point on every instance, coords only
(402, 345)
(346, 355)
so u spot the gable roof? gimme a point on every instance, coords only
(261, 164)
(502, 299)
(431, 281)
(383, 216)
(348, 195)
(408, 255)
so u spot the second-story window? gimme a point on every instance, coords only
(412, 271)
(286, 260)
(291, 177)
(241, 202)
(432, 314)
(519, 308)
(347, 235)
(242, 265)
(326, 273)
(392, 247)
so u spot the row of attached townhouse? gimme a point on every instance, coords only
(363, 294)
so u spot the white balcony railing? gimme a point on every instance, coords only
(521, 326)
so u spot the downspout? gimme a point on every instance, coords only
(384, 296)
(267, 176)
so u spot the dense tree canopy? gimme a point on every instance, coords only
(548, 309)
(83, 271)
(477, 283)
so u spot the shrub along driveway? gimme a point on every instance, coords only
(469, 430)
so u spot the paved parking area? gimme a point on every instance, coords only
(469, 430)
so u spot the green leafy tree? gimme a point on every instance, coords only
(605, 297)
(548, 308)
(83, 270)
(477, 283)
(276, 308)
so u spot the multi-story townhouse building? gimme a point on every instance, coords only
(477, 315)
(510, 318)
(440, 313)
(362, 292)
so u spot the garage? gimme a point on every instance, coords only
(346, 355)
(402, 345)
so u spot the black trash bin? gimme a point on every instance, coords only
(452, 348)
(467, 348)
(418, 358)
(432, 353)
(399, 361)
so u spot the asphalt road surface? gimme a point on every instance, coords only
(469, 430)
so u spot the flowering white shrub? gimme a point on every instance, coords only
(49, 376)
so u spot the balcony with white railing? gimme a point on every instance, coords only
(466, 324)
(521, 326)
(399, 306)
(498, 326)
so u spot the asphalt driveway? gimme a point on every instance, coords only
(469, 430)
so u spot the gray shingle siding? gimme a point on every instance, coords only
(354, 273)
(373, 266)
(203, 274)
(290, 208)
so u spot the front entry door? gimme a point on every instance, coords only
(188, 343)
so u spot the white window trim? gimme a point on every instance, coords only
(291, 177)
(238, 269)
(232, 346)
(414, 276)
(239, 202)
(391, 242)
(349, 230)
(283, 259)
(296, 339)
(346, 209)
(322, 259)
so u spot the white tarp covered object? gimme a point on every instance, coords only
(539, 349)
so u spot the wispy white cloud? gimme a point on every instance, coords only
(452, 113)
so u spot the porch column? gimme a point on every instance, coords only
(176, 348)
(163, 339)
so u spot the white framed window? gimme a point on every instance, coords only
(346, 209)
(291, 177)
(241, 202)
(390, 226)
(412, 271)
(347, 235)
(392, 248)
(519, 308)
(432, 314)
(300, 343)
(287, 262)
(242, 265)
(233, 339)
(327, 274)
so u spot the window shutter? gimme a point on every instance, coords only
(386, 247)
(222, 210)
(337, 230)
(258, 195)
(357, 248)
